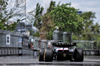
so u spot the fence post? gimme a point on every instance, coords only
(20, 51)
(0, 51)
(10, 51)
(5, 51)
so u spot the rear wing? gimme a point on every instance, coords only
(61, 44)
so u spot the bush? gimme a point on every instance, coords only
(37, 34)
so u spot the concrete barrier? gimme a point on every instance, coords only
(8, 51)
(10, 42)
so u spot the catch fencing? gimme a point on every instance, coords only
(88, 46)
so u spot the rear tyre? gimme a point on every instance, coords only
(48, 54)
(78, 55)
(41, 55)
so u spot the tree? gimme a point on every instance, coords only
(62, 16)
(19, 10)
(3, 14)
(47, 27)
(51, 7)
(38, 16)
(66, 18)
(6, 14)
(30, 17)
(95, 29)
(88, 31)
(11, 27)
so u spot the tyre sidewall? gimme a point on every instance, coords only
(78, 54)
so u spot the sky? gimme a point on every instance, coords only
(82, 5)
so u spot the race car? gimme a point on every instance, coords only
(61, 51)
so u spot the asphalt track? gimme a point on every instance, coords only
(33, 61)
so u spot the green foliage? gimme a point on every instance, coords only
(62, 16)
(66, 18)
(31, 31)
(47, 26)
(51, 7)
(37, 34)
(11, 27)
(38, 16)
(3, 12)
(75, 37)
(80, 46)
(50, 35)
(5, 16)
(90, 30)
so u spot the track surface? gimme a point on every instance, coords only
(33, 61)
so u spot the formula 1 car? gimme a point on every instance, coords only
(61, 51)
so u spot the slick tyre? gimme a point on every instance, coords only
(48, 54)
(41, 55)
(78, 55)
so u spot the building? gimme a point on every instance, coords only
(21, 27)
(26, 28)
(29, 26)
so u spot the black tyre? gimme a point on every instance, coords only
(78, 55)
(41, 55)
(48, 54)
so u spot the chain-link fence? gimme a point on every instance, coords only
(84, 44)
